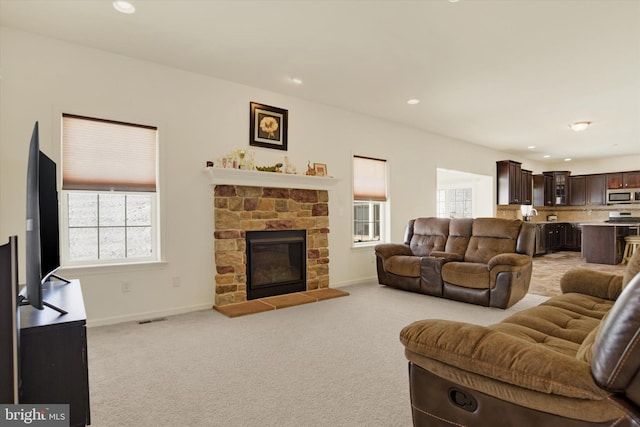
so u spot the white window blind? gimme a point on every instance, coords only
(103, 155)
(369, 179)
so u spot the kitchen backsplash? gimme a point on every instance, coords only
(567, 213)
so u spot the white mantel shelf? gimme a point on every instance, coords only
(221, 176)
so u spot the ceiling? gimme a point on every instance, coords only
(506, 74)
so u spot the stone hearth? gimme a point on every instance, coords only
(238, 209)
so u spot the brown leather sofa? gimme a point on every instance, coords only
(572, 361)
(485, 261)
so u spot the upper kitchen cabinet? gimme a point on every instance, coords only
(623, 180)
(527, 187)
(560, 187)
(543, 190)
(509, 180)
(596, 189)
(577, 190)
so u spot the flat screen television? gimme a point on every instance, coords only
(42, 235)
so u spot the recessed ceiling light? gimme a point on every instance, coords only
(546, 156)
(579, 126)
(124, 7)
(413, 101)
(568, 159)
(531, 147)
(296, 81)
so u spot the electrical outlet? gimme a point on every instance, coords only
(126, 286)
(175, 281)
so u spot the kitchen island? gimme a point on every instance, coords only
(603, 242)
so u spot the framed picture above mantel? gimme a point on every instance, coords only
(268, 126)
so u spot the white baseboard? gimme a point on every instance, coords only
(354, 282)
(147, 315)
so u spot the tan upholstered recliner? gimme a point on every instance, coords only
(574, 360)
(485, 261)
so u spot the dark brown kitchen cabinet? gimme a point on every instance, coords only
(631, 179)
(560, 187)
(577, 190)
(543, 190)
(623, 180)
(527, 187)
(509, 189)
(596, 189)
(554, 237)
(572, 237)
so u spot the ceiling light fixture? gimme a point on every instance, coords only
(531, 147)
(568, 159)
(546, 156)
(413, 101)
(296, 81)
(579, 126)
(124, 7)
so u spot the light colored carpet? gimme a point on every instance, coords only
(333, 363)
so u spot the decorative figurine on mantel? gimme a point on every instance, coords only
(310, 170)
(252, 163)
(241, 154)
(288, 167)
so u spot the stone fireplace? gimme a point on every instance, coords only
(239, 209)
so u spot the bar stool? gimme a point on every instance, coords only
(632, 243)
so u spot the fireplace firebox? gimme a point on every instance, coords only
(276, 262)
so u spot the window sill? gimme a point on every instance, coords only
(111, 268)
(367, 245)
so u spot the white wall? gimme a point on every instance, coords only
(200, 118)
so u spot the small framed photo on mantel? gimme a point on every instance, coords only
(268, 126)
(320, 168)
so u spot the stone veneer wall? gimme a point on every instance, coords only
(238, 209)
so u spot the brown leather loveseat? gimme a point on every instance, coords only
(485, 261)
(572, 361)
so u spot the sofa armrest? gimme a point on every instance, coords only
(599, 284)
(386, 250)
(509, 259)
(448, 256)
(493, 354)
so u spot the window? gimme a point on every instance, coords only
(369, 199)
(455, 203)
(109, 199)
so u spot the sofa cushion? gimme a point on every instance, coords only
(584, 305)
(403, 265)
(555, 328)
(490, 237)
(459, 235)
(429, 234)
(466, 274)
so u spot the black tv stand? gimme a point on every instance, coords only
(53, 353)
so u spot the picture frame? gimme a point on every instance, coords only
(320, 168)
(268, 126)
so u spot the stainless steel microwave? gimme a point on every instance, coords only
(626, 195)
